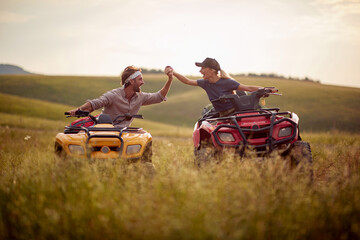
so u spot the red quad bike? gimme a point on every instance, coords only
(250, 129)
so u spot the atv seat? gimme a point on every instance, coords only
(244, 103)
(104, 118)
(240, 103)
(240, 93)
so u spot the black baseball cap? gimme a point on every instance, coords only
(210, 63)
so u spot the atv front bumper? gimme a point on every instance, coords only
(105, 143)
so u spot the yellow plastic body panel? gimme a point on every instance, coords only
(104, 147)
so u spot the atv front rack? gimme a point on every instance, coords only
(270, 144)
(97, 129)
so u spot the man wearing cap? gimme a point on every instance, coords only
(216, 82)
(127, 99)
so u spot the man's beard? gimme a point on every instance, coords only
(136, 89)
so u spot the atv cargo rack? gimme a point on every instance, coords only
(99, 129)
(270, 142)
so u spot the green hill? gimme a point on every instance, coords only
(73, 90)
(12, 69)
(59, 89)
(28, 113)
(320, 107)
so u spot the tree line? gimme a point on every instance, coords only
(263, 75)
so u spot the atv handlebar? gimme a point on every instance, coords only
(246, 102)
(262, 92)
(98, 119)
(79, 113)
(265, 92)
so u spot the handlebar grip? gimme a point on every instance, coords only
(271, 89)
(79, 113)
(137, 116)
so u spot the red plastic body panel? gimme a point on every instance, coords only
(250, 127)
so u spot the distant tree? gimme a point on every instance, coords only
(274, 75)
(151, 71)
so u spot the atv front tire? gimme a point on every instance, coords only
(300, 156)
(147, 155)
(205, 154)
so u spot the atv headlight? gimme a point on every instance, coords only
(226, 137)
(285, 132)
(76, 149)
(131, 149)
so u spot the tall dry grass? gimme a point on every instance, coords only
(42, 197)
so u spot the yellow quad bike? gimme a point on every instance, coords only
(97, 138)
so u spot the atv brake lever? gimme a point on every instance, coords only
(138, 116)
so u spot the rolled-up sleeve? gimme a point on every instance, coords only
(100, 102)
(152, 98)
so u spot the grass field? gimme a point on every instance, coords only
(43, 197)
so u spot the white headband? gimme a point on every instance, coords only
(132, 76)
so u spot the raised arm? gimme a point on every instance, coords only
(85, 107)
(243, 87)
(185, 79)
(170, 70)
(164, 91)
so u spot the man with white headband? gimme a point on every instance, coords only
(127, 99)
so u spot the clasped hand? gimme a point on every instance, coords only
(169, 71)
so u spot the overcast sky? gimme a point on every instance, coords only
(319, 39)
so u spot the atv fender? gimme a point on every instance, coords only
(295, 118)
(201, 132)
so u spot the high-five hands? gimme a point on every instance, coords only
(169, 71)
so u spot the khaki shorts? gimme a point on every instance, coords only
(227, 112)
